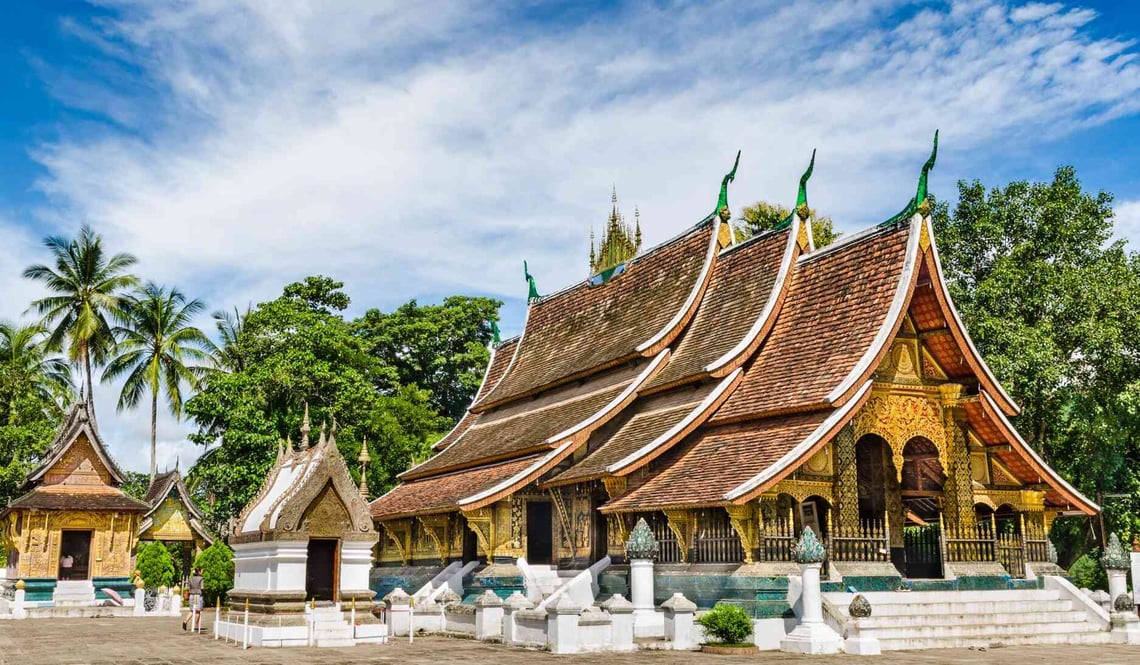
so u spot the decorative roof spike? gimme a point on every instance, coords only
(921, 195)
(289, 443)
(722, 203)
(324, 428)
(280, 448)
(801, 197)
(533, 295)
(364, 458)
(305, 429)
(637, 226)
(496, 334)
(332, 433)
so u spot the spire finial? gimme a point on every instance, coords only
(364, 459)
(496, 335)
(533, 295)
(289, 443)
(305, 429)
(332, 433)
(637, 226)
(921, 195)
(722, 203)
(322, 440)
(801, 197)
(280, 449)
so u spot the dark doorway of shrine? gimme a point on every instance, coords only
(470, 546)
(76, 547)
(878, 491)
(539, 540)
(921, 490)
(600, 543)
(321, 569)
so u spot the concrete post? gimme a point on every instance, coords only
(140, 598)
(488, 616)
(562, 625)
(513, 604)
(18, 609)
(399, 612)
(1117, 582)
(641, 584)
(679, 612)
(621, 626)
(176, 602)
(812, 635)
(1134, 557)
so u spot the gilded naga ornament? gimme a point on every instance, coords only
(722, 203)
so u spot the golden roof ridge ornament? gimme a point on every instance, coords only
(305, 429)
(722, 210)
(801, 196)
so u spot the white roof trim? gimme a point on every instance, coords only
(835, 417)
(773, 298)
(962, 328)
(898, 303)
(1033, 453)
(510, 365)
(679, 427)
(680, 315)
(649, 371)
(506, 484)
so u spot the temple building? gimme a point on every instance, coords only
(173, 517)
(733, 393)
(74, 532)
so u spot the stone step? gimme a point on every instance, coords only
(985, 630)
(926, 597)
(975, 608)
(959, 642)
(904, 621)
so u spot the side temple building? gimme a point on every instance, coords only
(732, 394)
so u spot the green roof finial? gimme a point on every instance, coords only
(496, 336)
(722, 202)
(801, 197)
(533, 295)
(920, 195)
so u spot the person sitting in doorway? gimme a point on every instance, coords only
(65, 563)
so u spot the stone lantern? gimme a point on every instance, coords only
(1116, 562)
(811, 635)
(640, 550)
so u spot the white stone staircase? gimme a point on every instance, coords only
(330, 629)
(73, 593)
(950, 619)
(548, 578)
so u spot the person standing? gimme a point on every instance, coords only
(65, 564)
(195, 589)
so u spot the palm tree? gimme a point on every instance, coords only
(156, 339)
(87, 288)
(228, 356)
(29, 369)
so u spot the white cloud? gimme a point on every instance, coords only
(1128, 222)
(415, 149)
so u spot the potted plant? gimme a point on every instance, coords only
(729, 628)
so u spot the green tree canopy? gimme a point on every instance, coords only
(217, 564)
(761, 216)
(298, 349)
(154, 563)
(1054, 306)
(441, 348)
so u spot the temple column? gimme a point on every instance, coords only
(846, 489)
(959, 488)
(683, 525)
(743, 520)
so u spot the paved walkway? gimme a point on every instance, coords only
(129, 641)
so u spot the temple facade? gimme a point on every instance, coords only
(734, 393)
(173, 517)
(74, 531)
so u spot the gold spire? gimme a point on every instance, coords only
(364, 458)
(305, 429)
(619, 242)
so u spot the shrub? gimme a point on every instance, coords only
(217, 564)
(155, 565)
(727, 624)
(1086, 572)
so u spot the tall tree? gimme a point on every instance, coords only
(295, 350)
(761, 216)
(87, 287)
(1054, 305)
(34, 388)
(226, 355)
(441, 348)
(159, 352)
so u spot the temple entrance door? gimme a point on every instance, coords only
(75, 548)
(321, 569)
(539, 537)
(470, 546)
(922, 481)
(600, 543)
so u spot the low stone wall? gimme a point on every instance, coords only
(459, 619)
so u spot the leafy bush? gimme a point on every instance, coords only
(217, 564)
(155, 564)
(1087, 573)
(727, 624)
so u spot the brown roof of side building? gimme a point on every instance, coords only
(587, 328)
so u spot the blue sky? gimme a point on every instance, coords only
(424, 149)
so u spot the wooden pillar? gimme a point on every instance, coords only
(846, 489)
(959, 489)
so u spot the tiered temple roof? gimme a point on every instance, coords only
(169, 489)
(712, 369)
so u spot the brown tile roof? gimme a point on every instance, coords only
(715, 461)
(738, 291)
(647, 419)
(440, 493)
(525, 426)
(581, 329)
(70, 497)
(500, 358)
(838, 300)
